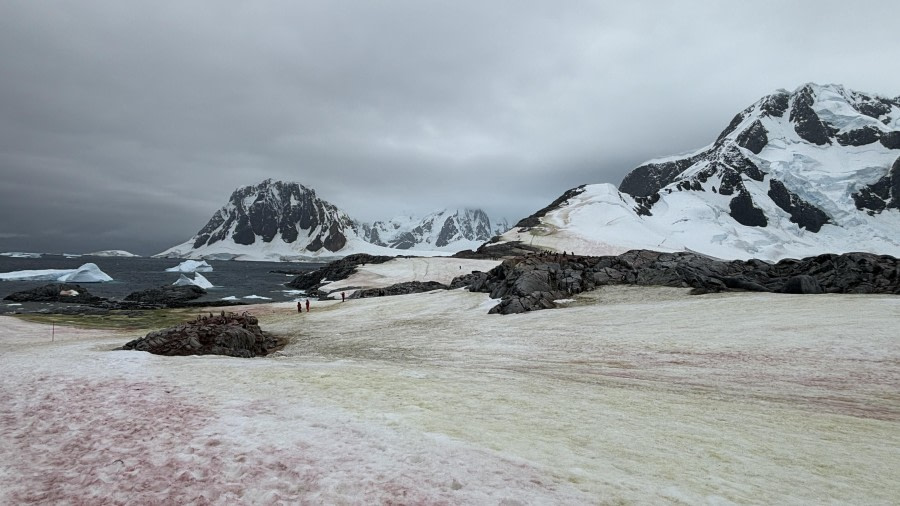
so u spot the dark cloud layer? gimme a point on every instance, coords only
(127, 124)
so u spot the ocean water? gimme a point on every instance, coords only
(244, 280)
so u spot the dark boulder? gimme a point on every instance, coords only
(225, 334)
(804, 284)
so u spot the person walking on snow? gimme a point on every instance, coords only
(307, 305)
(343, 297)
(299, 307)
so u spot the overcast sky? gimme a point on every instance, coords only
(126, 125)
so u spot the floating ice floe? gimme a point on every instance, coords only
(198, 280)
(113, 253)
(20, 254)
(191, 266)
(87, 273)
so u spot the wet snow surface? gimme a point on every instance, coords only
(631, 395)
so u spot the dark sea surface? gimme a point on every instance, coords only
(231, 278)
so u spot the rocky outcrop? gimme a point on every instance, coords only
(802, 212)
(882, 194)
(56, 292)
(334, 271)
(224, 334)
(167, 296)
(534, 282)
(399, 289)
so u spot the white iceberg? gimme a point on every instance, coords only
(198, 280)
(191, 266)
(113, 253)
(87, 273)
(20, 254)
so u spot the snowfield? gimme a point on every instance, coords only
(629, 395)
(400, 270)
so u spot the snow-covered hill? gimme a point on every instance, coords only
(447, 230)
(278, 221)
(795, 174)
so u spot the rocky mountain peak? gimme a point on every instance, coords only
(287, 210)
(820, 160)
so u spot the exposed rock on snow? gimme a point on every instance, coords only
(191, 266)
(535, 282)
(334, 271)
(225, 334)
(400, 289)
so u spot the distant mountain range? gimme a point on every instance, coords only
(278, 220)
(796, 174)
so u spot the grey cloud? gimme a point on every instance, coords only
(134, 121)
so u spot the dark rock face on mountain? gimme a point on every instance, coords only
(881, 195)
(225, 334)
(56, 292)
(273, 209)
(534, 219)
(399, 289)
(167, 296)
(802, 212)
(775, 183)
(533, 282)
(334, 271)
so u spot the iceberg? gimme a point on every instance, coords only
(191, 266)
(198, 280)
(113, 253)
(87, 273)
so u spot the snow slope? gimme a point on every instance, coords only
(401, 270)
(795, 174)
(644, 397)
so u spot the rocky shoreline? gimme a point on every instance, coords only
(76, 299)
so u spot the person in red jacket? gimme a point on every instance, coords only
(307, 305)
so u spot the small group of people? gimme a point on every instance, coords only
(300, 303)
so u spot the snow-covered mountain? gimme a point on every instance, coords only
(447, 230)
(796, 174)
(277, 220)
